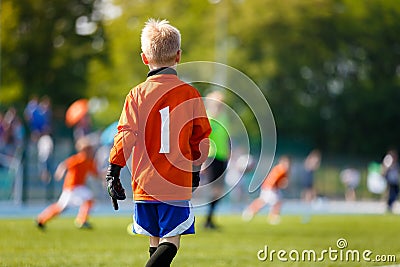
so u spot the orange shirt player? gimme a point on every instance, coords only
(271, 192)
(75, 193)
(165, 122)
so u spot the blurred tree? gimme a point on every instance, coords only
(46, 47)
(330, 69)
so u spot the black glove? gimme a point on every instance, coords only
(195, 180)
(114, 186)
(195, 177)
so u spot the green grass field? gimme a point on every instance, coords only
(236, 244)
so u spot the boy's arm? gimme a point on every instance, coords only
(278, 177)
(199, 141)
(60, 171)
(124, 141)
(126, 136)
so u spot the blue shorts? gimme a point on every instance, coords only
(163, 219)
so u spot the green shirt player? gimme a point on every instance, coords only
(219, 154)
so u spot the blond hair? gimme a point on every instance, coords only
(160, 42)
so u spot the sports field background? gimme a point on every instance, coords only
(316, 226)
(328, 69)
(235, 244)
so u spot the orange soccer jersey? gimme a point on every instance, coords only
(78, 167)
(165, 121)
(275, 177)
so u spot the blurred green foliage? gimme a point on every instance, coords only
(329, 68)
(42, 54)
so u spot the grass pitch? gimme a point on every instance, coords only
(237, 243)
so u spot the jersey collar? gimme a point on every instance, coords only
(162, 70)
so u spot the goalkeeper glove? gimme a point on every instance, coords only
(195, 177)
(114, 186)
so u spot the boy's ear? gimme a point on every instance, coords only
(144, 59)
(178, 56)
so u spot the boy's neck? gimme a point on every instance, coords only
(154, 67)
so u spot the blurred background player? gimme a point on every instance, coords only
(311, 164)
(75, 192)
(165, 121)
(390, 170)
(270, 193)
(350, 178)
(219, 154)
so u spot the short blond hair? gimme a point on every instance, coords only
(160, 42)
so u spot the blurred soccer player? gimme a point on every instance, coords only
(311, 164)
(75, 192)
(165, 121)
(391, 172)
(270, 193)
(219, 153)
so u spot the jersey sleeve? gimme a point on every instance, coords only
(199, 141)
(125, 139)
(71, 161)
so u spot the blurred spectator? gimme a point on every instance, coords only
(311, 164)
(390, 170)
(29, 109)
(376, 183)
(241, 166)
(1, 129)
(83, 127)
(351, 179)
(45, 147)
(2, 138)
(12, 133)
(46, 114)
(38, 116)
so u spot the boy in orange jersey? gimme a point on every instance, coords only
(270, 192)
(165, 122)
(75, 192)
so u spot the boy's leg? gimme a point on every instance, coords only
(256, 205)
(253, 209)
(49, 213)
(84, 211)
(274, 214)
(209, 221)
(84, 196)
(154, 242)
(165, 252)
(393, 193)
(162, 219)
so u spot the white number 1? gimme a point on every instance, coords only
(164, 130)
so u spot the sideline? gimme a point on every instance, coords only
(290, 207)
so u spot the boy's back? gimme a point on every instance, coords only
(167, 119)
